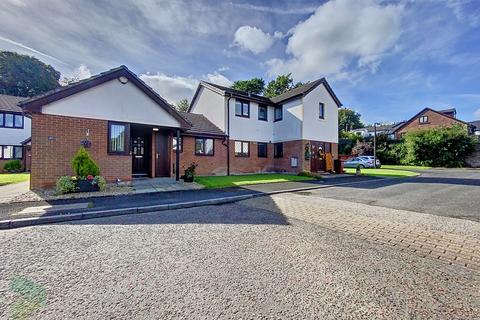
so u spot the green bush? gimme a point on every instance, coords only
(309, 174)
(65, 185)
(83, 165)
(438, 147)
(13, 166)
(101, 182)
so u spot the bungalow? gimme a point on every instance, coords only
(14, 132)
(131, 131)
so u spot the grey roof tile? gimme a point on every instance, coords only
(9, 103)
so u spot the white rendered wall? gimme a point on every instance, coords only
(251, 129)
(12, 136)
(290, 127)
(212, 106)
(115, 101)
(315, 128)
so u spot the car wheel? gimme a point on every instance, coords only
(362, 166)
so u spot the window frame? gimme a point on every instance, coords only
(275, 154)
(263, 106)
(275, 119)
(204, 154)
(14, 154)
(266, 149)
(126, 142)
(321, 107)
(423, 117)
(242, 154)
(242, 103)
(181, 144)
(3, 116)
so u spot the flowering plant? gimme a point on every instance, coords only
(89, 177)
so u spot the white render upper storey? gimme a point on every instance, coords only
(309, 112)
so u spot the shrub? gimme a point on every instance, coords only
(438, 147)
(100, 182)
(83, 165)
(13, 166)
(65, 185)
(362, 149)
(309, 174)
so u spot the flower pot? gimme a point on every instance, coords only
(188, 179)
(86, 186)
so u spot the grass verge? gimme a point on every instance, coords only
(398, 167)
(9, 178)
(391, 173)
(213, 182)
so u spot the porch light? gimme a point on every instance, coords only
(155, 129)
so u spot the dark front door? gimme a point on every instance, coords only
(162, 155)
(317, 160)
(139, 155)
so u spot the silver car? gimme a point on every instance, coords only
(372, 158)
(358, 162)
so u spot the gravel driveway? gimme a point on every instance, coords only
(227, 261)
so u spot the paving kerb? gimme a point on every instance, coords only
(26, 222)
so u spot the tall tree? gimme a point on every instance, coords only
(280, 85)
(25, 76)
(254, 85)
(348, 120)
(182, 105)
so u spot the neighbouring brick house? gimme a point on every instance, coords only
(14, 132)
(428, 119)
(130, 130)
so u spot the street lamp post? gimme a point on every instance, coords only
(375, 145)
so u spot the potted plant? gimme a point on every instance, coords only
(85, 170)
(190, 172)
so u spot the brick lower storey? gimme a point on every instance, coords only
(56, 139)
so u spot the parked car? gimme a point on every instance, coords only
(372, 158)
(358, 162)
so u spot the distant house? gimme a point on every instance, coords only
(428, 119)
(475, 127)
(386, 129)
(14, 131)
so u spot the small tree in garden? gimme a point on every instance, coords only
(83, 165)
(362, 149)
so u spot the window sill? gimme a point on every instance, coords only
(242, 155)
(118, 153)
(241, 116)
(277, 120)
(204, 155)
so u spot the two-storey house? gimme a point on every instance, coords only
(293, 132)
(14, 131)
(131, 131)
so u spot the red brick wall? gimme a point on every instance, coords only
(435, 120)
(207, 165)
(51, 157)
(253, 163)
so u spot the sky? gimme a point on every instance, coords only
(386, 60)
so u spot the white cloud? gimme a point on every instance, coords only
(30, 50)
(218, 79)
(477, 113)
(275, 9)
(253, 39)
(82, 72)
(174, 88)
(338, 33)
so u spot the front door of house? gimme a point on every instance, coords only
(138, 154)
(317, 160)
(162, 155)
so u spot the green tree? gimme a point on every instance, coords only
(348, 120)
(25, 76)
(280, 85)
(183, 105)
(253, 86)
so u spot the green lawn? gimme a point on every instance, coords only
(398, 167)
(9, 178)
(235, 181)
(391, 173)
